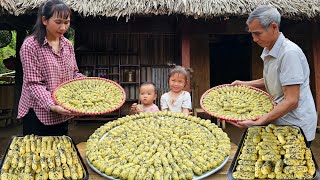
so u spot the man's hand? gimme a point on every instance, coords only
(258, 83)
(236, 124)
(245, 123)
(248, 123)
(238, 82)
(60, 110)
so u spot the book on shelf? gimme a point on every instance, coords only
(103, 73)
(127, 91)
(87, 70)
(133, 92)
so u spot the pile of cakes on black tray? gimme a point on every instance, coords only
(273, 152)
(42, 157)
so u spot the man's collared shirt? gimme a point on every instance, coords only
(285, 64)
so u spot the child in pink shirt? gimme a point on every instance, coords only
(146, 97)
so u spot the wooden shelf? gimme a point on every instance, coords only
(125, 53)
(108, 53)
(131, 100)
(114, 65)
(93, 53)
(129, 83)
(129, 65)
(86, 66)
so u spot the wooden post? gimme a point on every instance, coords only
(185, 54)
(21, 34)
(316, 59)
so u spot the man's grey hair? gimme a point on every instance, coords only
(266, 15)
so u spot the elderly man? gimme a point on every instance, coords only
(285, 75)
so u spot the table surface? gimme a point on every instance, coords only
(221, 174)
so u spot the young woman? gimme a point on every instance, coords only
(48, 60)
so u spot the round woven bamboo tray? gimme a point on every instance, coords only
(54, 95)
(216, 115)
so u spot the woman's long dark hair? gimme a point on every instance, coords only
(48, 9)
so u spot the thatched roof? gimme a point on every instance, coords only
(7, 7)
(292, 9)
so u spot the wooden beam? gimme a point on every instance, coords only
(316, 60)
(185, 54)
(21, 35)
(200, 64)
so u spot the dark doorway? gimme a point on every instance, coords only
(230, 58)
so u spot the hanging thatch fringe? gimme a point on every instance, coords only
(7, 7)
(292, 9)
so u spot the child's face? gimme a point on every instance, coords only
(177, 82)
(147, 94)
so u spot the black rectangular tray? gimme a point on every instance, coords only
(86, 177)
(236, 157)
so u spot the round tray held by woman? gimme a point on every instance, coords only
(90, 95)
(236, 102)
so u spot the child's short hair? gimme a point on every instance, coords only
(149, 83)
(176, 69)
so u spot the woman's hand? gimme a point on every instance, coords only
(60, 110)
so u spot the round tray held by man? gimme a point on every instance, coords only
(90, 95)
(236, 102)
